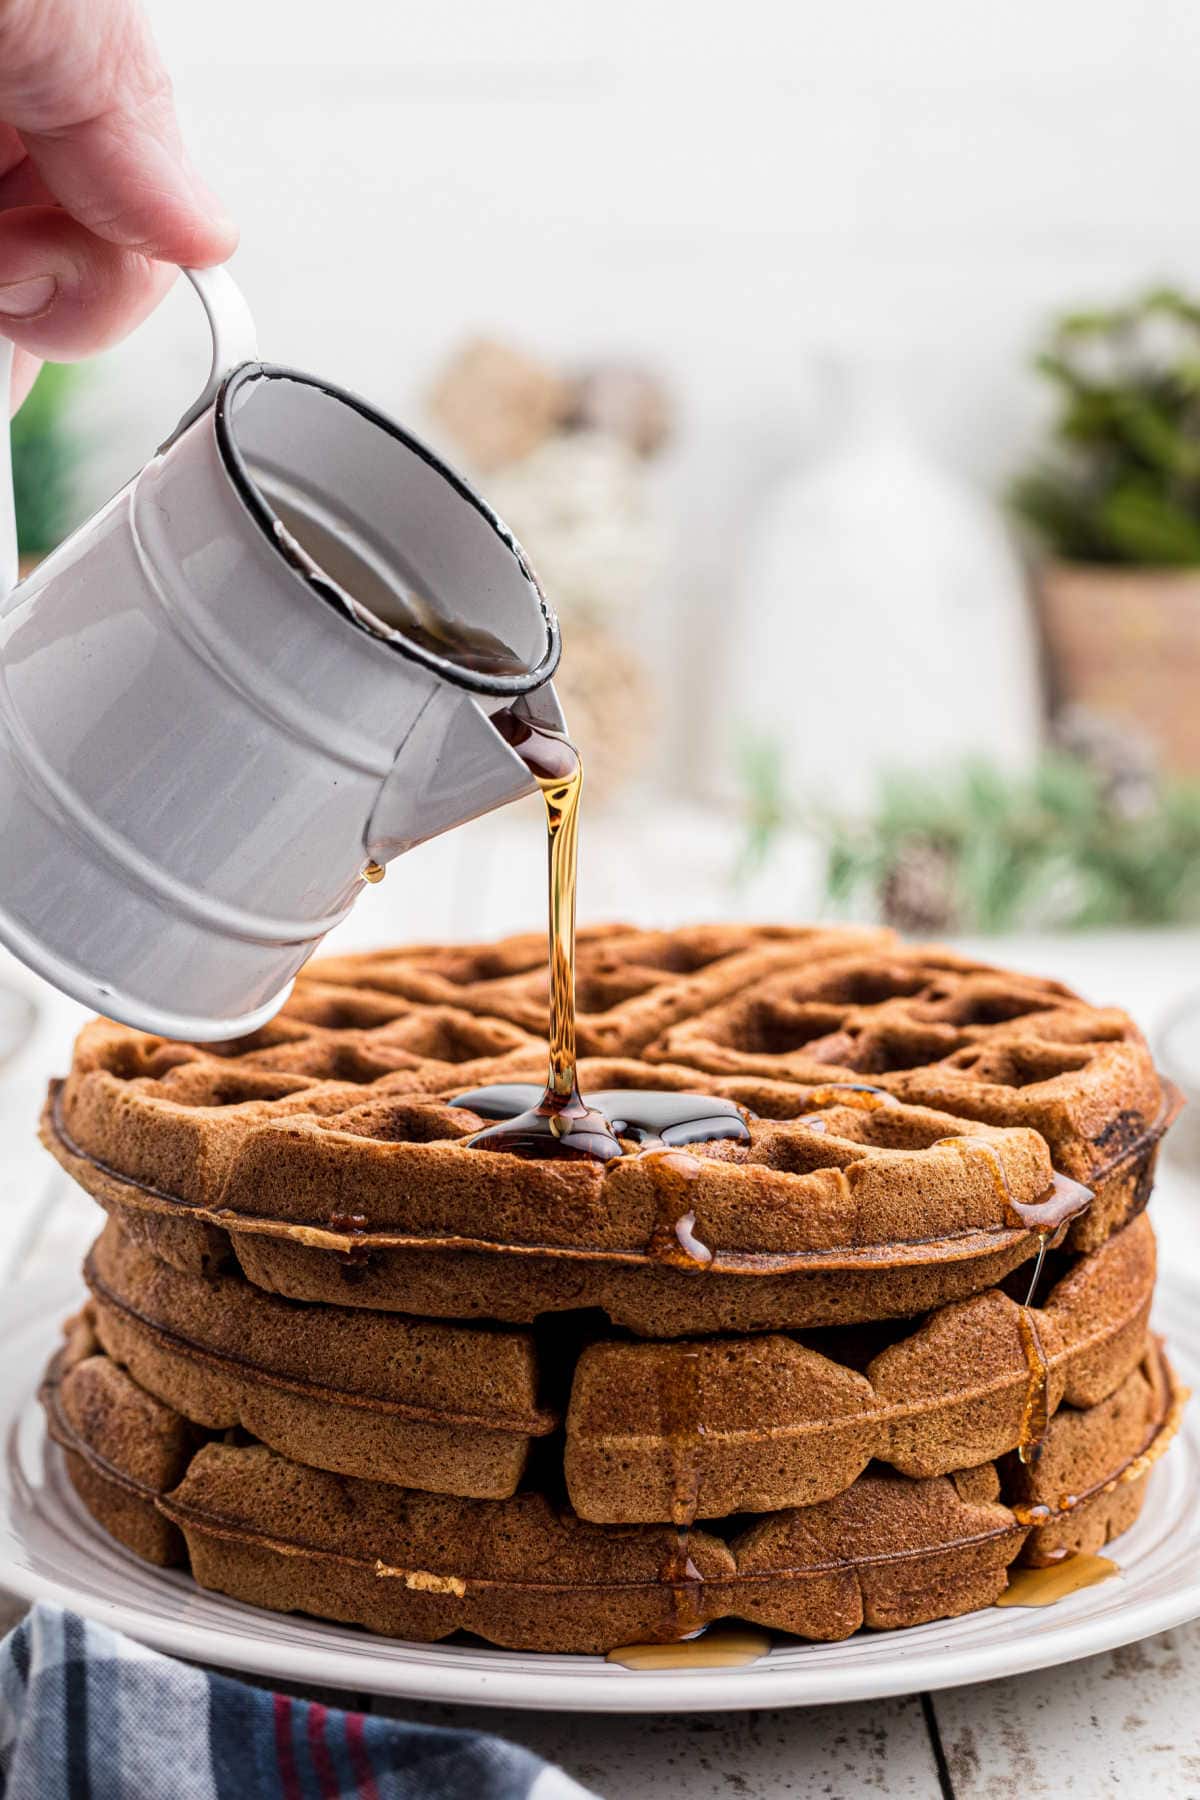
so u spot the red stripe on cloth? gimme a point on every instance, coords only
(360, 1761)
(318, 1749)
(285, 1756)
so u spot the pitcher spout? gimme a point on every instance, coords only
(453, 766)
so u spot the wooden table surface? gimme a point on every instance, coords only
(1124, 1724)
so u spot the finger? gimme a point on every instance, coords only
(12, 150)
(82, 83)
(21, 185)
(66, 294)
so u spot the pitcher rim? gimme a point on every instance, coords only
(331, 592)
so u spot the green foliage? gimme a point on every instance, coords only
(45, 455)
(760, 773)
(980, 850)
(1124, 483)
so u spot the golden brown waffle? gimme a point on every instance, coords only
(629, 984)
(939, 1030)
(710, 1427)
(450, 1408)
(335, 1256)
(852, 1216)
(323, 1154)
(655, 1432)
(277, 1380)
(887, 1551)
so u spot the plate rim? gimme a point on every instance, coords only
(400, 1670)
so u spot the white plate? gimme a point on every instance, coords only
(51, 1549)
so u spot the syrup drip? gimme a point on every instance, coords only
(1036, 1415)
(721, 1647)
(347, 1221)
(658, 1124)
(683, 1428)
(1043, 1242)
(685, 1235)
(1064, 1201)
(685, 1587)
(674, 1238)
(1042, 1587)
(655, 1124)
(867, 1098)
(1043, 1512)
(357, 1251)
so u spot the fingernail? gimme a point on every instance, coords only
(26, 299)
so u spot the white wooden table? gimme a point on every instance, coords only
(1125, 1724)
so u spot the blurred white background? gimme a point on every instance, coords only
(728, 193)
(723, 190)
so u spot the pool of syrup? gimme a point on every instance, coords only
(1042, 1587)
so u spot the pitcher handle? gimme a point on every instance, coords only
(234, 341)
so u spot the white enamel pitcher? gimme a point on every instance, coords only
(242, 681)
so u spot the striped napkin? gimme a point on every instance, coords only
(86, 1714)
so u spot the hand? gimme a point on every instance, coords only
(98, 202)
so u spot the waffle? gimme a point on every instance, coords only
(325, 1364)
(706, 1428)
(525, 1572)
(332, 1130)
(942, 1031)
(450, 1408)
(654, 1432)
(630, 985)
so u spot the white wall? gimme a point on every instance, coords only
(724, 188)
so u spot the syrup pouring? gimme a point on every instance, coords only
(559, 1121)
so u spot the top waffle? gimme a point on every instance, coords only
(936, 1028)
(630, 985)
(908, 1104)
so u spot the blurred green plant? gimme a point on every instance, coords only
(1124, 486)
(1063, 847)
(45, 454)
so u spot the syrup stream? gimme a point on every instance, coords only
(560, 1123)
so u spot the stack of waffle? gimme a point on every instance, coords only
(337, 1361)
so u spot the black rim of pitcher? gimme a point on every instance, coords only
(325, 587)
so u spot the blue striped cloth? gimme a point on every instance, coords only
(85, 1714)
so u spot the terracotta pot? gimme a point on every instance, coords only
(1125, 643)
